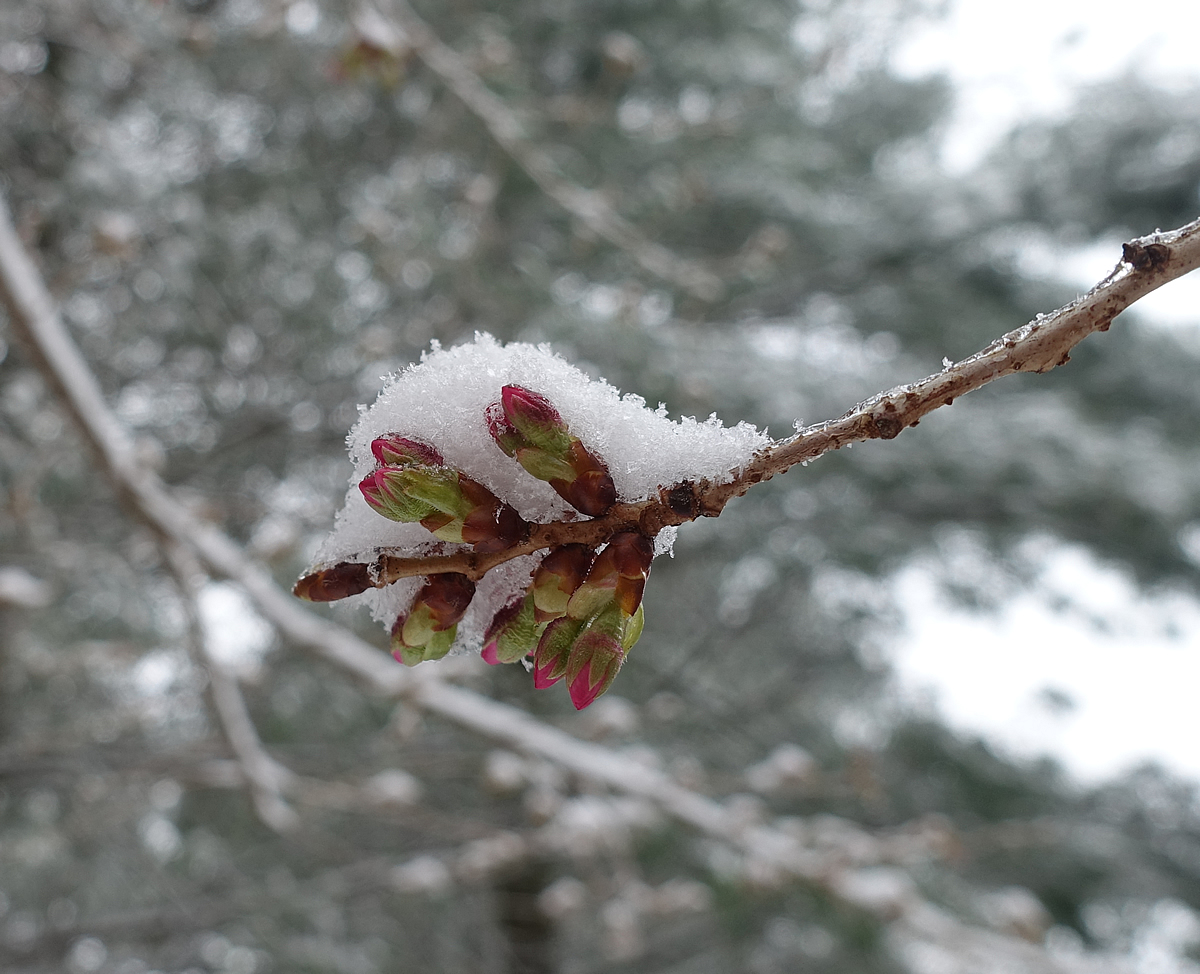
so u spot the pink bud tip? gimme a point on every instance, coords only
(507, 436)
(532, 407)
(541, 676)
(490, 654)
(393, 450)
(370, 490)
(583, 691)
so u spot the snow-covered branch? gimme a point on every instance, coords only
(1038, 346)
(401, 29)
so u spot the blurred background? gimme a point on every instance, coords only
(986, 630)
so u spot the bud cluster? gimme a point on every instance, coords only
(580, 618)
(581, 613)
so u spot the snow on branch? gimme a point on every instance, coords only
(404, 30)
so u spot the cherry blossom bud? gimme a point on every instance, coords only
(526, 426)
(386, 496)
(559, 575)
(617, 575)
(428, 629)
(553, 651)
(536, 419)
(393, 450)
(599, 658)
(604, 615)
(447, 503)
(513, 634)
(599, 652)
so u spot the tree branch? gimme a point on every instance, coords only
(265, 777)
(588, 206)
(1038, 346)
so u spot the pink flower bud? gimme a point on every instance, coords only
(599, 652)
(536, 420)
(386, 496)
(601, 657)
(553, 651)
(525, 425)
(393, 450)
(449, 504)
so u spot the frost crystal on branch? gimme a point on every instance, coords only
(472, 450)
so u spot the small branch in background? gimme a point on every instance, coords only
(404, 30)
(265, 777)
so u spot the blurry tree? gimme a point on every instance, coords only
(250, 210)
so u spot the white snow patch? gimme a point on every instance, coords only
(1083, 666)
(442, 400)
(237, 635)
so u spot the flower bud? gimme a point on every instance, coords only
(604, 615)
(385, 495)
(599, 659)
(557, 577)
(553, 651)
(447, 503)
(599, 652)
(525, 425)
(393, 450)
(513, 634)
(617, 575)
(536, 419)
(428, 629)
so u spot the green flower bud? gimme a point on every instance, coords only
(428, 629)
(513, 634)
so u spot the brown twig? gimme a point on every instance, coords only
(588, 206)
(1038, 346)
